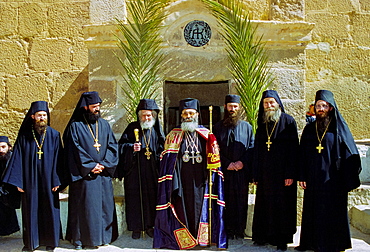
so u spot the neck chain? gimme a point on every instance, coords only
(319, 147)
(96, 138)
(147, 143)
(39, 146)
(192, 142)
(269, 135)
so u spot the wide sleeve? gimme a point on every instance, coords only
(110, 160)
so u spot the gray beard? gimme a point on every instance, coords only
(190, 126)
(147, 124)
(272, 116)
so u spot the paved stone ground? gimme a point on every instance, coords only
(13, 243)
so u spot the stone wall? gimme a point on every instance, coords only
(338, 58)
(43, 56)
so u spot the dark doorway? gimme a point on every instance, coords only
(208, 93)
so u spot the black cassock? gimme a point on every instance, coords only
(325, 222)
(128, 167)
(8, 216)
(40, 206)
(92, 218)
(275, 207)
(235, 145)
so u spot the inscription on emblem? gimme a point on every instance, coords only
(197, 33)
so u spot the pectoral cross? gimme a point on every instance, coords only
(97, 145)
(319, 148)
(147, 153)
(192, 157)
(40, 152)
(268, 144)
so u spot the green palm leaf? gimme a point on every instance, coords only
(139, 42)
(247, 56)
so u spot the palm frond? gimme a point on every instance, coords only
(139, 42)
(247, 56)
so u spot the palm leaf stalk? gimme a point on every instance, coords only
(247, 56)
(140, 44)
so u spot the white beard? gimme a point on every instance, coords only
(272, 115)
(147, 124)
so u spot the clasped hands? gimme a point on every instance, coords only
(235, 166)
(98, 169)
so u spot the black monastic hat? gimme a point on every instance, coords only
(189, 103)
(86, 99)
(150, 104)
(231, 98)
(4, 139)
(35, 107)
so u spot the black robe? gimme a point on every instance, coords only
(275, 207)
(37, 177)
(92, 219)
(128, 167)
(8, 215)
(325, 224)
(235, 145)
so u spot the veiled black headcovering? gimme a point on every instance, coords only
(232, 98)
(86, 99)
(269, 94)
(35, 107)
(4, 139)
(341, 127)
(150, 104)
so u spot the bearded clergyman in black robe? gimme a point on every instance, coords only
(34, 168)
(92, 156)
(139, 165)
(235, 138)
(274, 172)
(8, 193)
(330, 167)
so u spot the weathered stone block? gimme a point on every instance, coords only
(50, 54)
(32, 19)
(103, 62)
(360, 218)
(67, 19)
(331, 28)
(13, 57)
(343, 6)
(26, 89)
(103, 12)
(80, 55)
(287, 10)
(361, 29)
(10, 122)
(291, 82)
(313, 5)
(364, 151)
(364, 5)
(8, 19)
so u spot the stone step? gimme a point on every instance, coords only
(360, 218)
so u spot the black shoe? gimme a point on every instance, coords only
(282, 247)
(50, 248)
(150, 232)
(26, 249)
(240, 235)
(301, 248)
(135, 235)
(90, 247)
(259, 243)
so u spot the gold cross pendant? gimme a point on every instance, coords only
(319, 148)
(97, 145)
(147, 153)
(40, 152)
(268, 144)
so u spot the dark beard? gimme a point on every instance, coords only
(40, 126)
(5, 157)
(91, 117)
(322, 123)
(231, 120)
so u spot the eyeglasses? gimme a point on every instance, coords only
(318, 106)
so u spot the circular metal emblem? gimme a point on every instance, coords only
(197, 33)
